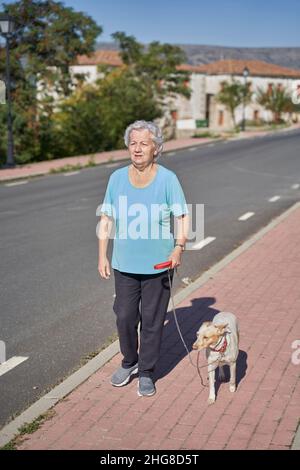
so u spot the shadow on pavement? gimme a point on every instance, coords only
(189, 320)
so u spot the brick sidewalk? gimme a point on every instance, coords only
(262, 287)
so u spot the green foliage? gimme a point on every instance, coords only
(137, 90)
(233, 95)
(159, 63)
(93, 119)
(83, 119)
(52, 35)
(277, 100)
(48, 35)
(124, 99)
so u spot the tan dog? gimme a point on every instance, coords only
(221, 340)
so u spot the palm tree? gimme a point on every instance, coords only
(233, 95)
(278, 100)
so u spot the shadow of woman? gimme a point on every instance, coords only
(189, 320)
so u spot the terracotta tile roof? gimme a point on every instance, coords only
(100, 57)
(256, 67)
(190, 68)
(229, 66)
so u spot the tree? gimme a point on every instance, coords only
(278, 100)
(50, 35)
(157, 64)
(233, 95)
(137, 90)
(102, 111)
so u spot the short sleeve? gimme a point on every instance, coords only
(107, 205)
(176, 198)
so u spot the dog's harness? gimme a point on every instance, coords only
(223, 347)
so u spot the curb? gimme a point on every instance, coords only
(118, 160)
(109, 160)
(11, 430)
(296, 441)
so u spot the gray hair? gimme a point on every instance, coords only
(151, 127)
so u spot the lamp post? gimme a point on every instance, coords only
(245, 74)
(7, 28)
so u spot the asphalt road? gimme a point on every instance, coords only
(54, 307)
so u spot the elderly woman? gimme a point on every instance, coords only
(140, 199)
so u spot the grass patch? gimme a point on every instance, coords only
(66, 168)
(28, 428)
(111, 339)
(201, 135)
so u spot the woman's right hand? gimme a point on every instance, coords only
(104, 268)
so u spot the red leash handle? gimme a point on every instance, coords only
(166, 264)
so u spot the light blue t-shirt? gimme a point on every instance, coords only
(142, 219)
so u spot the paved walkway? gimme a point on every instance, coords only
(42, 168)
(45, 167)
(262, 287)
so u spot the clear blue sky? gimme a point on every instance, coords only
(253, 23)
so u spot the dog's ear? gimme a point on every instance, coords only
(221, 328)
(206, 323)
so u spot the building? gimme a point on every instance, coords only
(206, 82)
(202, 109)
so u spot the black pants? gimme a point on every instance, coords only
(141, 298)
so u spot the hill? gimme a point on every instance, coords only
(202, 54)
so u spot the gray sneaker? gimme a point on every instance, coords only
(122, 376)
(146, 387)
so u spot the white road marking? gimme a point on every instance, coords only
(296, 186)
(192, 149)
(11, 363)
(210, 145)
(16, 183)
(203, 243)
(274, 198)
(171, 153)
(71, 173)
(246, 216)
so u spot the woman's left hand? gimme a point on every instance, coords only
(175, 257)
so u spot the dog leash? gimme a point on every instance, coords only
(168, 264)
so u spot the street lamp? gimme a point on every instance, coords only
(7, 28)
(245, 74)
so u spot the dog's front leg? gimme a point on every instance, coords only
(232, 383)
(212, 394)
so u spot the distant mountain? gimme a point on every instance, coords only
(201, 54)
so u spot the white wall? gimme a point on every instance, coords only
(189, 110)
